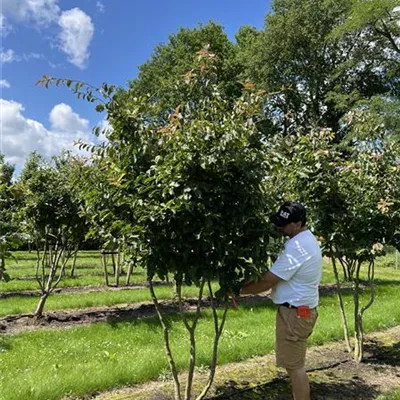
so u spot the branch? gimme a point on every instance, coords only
(371, 273)
(341, 306)
(386, 33)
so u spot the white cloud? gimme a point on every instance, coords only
(62, 118)
(8, 56)
(4, 83)
(41, 12)
(76, 27)
(76, 34)
(30, 56)
(21, 135)
(100, 6)
(5, 27)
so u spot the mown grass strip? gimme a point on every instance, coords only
(59, 301)
(26, 305)
(48, 364)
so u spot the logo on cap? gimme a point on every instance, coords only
(284, 214)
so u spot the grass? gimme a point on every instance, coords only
(88, 271)
(391, 396)
(48, 364)
(59, 301)
(26, 305)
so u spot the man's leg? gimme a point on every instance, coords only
(300, 383)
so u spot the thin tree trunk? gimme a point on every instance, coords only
(358, 345)
(104, 259)
(129, 273)
(74, 260)
(40, 307)
(50, 260)
(346, 278)
(177, 386)
(341, 307)
(115, 267)
(218, 328)
(192, 330)
(371, 273)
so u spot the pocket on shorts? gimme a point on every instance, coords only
(300, 328)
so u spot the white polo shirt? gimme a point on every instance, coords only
(300, 268)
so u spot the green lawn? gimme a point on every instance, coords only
(58, 301)
(88, 272)
(392, 396)
(48, 364)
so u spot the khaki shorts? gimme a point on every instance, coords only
(291, 337)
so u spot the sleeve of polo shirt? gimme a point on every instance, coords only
(288, 263)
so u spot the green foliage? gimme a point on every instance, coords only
(192, 185)
(49, 209)
(10, 237)
(187, 188)
(160, 75)
(313, 74)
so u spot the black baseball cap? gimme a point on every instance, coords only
(290, 211)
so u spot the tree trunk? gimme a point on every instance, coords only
(104, 262)
(177, 385)
(129, 273)
(358, 345)
(191, 330)
(218, 329)
(116, 268)
(74, 261)
(40, 307)
(341, 307)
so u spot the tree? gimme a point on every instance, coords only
(315, 74)
(160, 75)
(10, 237)
(352, 192)
(190, 190)
(377, 17)
(68, 168)
(51, 216)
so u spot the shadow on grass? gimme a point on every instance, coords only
(382, 356)
(5, 344)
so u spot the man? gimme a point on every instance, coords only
(294, 279)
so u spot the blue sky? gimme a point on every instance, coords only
(91, 40)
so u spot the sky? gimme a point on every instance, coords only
(90, 40)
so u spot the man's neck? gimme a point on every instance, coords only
(302, 229)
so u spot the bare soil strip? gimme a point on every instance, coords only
(62, 319)
(81, 289)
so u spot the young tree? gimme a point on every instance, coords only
(352, 192)
(189, 189)
(10, 235)
(51, 216)
(68, 168)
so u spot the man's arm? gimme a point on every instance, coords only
(267, 282)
